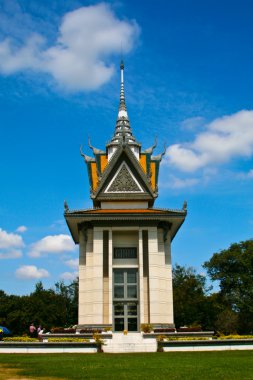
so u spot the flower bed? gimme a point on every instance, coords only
(168, 330)
(189, 329)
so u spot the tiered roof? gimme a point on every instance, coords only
(123, 146)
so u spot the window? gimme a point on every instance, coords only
(125, 253)
(125, 299)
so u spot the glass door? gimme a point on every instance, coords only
(125, 299)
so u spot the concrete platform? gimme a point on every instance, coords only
(132, 342)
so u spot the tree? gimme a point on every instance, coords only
(192, 305)
(233, 268)
(69, 294)
(47, 307)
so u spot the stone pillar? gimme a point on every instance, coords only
(97, 289)
(154, 296)
(110, 276)
(160, 279)
(168, 273)
(141, 287)
(84, 280)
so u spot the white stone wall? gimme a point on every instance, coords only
(160, 278)
(95, 292)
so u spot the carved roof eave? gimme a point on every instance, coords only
(159, 157)
(156, 212)
(150, 150)
(111, 165)
(77, 218)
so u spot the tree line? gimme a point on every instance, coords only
(46, 307)
(228, 310)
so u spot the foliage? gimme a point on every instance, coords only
(146, 327)
(227, 321)
(169, 338)
(79, 340)
(20, 339)
(160, 338)
(47, 307)
(62, 330)
(98, 339)
(232, 336)
(233, 268)
(192, 305)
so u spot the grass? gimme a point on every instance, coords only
(224, 365)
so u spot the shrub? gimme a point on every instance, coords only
(146, 327)
(20, 339)
(62, 330)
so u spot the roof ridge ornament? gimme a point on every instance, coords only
(150, 150)
(86, 158)
(160, 156)
(94, 150)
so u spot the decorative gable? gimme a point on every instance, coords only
(124, 181)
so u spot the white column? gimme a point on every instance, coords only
(141, 287)
(160, 279)
(153, 275)
(97, 291)
(82, 275)
(110, 276)
(168, 273)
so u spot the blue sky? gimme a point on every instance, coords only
(188, 81)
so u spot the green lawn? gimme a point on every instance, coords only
(228, 365)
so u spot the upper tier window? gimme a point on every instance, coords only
(125, 253)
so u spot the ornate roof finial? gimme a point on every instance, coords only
(86, 158)
(122, 103)
(122, 124)
(66, 207)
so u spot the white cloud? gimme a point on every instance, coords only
(192, 123)
(28, 272)
(178, 183)
(69, 276)
(21, 229)
(10, 240)
(247, 175)
(88, 36)
(225, 138)
(72, 263)
(10, 254)
(52, 244)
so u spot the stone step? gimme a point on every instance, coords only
(132, 342)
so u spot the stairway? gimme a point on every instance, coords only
(132, 342)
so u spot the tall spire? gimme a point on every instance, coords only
(122, 133)
(122, 104)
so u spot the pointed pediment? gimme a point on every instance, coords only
(124, 181)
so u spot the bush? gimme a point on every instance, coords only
(20, 339)
(62, 330)
(146, 327)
